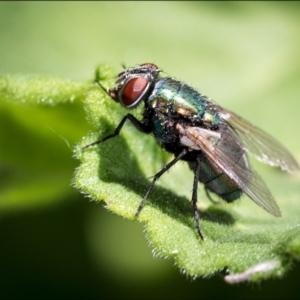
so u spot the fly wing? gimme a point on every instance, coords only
(260, 144)
(214, 146)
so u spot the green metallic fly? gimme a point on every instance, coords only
(213, 140)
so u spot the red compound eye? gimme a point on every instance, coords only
(133, 90)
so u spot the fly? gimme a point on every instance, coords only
(211, 139)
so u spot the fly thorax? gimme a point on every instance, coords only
(163, 129)
(159, 105)
(210, 118)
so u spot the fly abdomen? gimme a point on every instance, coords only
(214, 178)
(217, 181)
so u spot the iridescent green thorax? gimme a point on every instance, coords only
(176, 99)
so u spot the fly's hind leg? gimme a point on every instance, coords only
(210, 197)
(195, 197)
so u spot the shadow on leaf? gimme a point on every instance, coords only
(119, 165)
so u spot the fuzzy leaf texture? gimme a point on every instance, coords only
(240, 238)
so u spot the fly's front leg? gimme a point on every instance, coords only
(145, 128)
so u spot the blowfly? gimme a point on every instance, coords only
(211, 139)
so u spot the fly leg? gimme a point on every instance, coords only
(195, 197)
(137, 124)
(209, 196)
(157, 176)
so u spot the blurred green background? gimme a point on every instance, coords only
(55, 243)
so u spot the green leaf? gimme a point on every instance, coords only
(239, 237)
(37, 121)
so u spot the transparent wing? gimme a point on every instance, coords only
(260, 144)
(214, 146)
